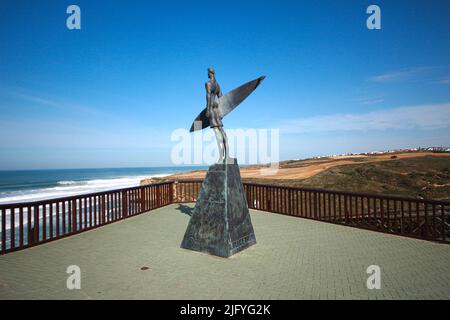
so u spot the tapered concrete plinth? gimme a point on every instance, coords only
(220, 223)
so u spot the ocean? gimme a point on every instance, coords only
(31, 185)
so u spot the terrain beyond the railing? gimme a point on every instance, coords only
(28, 224)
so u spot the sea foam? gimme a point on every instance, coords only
(70, 188)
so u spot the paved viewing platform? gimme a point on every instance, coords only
(294, 258)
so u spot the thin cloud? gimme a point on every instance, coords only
(47, 102)
(402, 75)
(424, 117)
(369, 100)
(35, 99)
(445, 81)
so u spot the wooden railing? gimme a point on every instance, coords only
(27, 224)
(424, 219)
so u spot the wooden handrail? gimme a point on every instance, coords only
(36, 222)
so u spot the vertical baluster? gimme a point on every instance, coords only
(410, 229)
(80, 214)
(351, 213)
(29, 235)
(317, 205)
(433, 223)
(388, 207)
(64, 217)
(85, 213)
(288, 206)
(304, 204)
(110, 207)
(136, 201)
(88, 212)
(308, 203)
(72, 216)
(12, 228)
(147, 207)
(3, 216)
(333, 206)
(116, 205)
(329, 205)
(57, 209)
(444, 229)
(36, 224)
(395, 224)
(314, 207)
(321, 210)
(324, 207)
(69, 216)
(266, 199)
(96, 210)
(348, 202)
(274, 199)
(104, 217)
(426, 219)
(44, 222)
(418, 216)
(21, 233)
(360, 211)
(261, 198)
(113, 206)
(402, 221)
(280, 199)
(76, 214)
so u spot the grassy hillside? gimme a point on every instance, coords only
(422, 177)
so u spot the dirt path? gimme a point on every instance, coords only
(309, 168)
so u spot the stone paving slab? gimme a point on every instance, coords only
(293, 259)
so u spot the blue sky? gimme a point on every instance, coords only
(111, 94)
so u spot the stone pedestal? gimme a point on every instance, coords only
(220, 224)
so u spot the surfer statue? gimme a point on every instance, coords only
(220, 223)
(217, 107)
(212, 112)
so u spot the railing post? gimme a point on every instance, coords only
(171, 187)
(3, 218)
(36, 225)
(103, 218)
(289, 206)
(142, 199)
(158, 195)
(124, 204)
(74, 215)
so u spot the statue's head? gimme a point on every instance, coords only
(211, 73)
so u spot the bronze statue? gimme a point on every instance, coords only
(220, 223)
(218, 106)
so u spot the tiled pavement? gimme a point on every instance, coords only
(293, 259)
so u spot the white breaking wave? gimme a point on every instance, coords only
(70, 188)
(70, 183)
